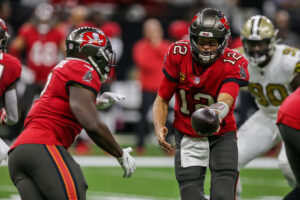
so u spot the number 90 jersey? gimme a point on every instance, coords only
(198, 86)
(270, 85)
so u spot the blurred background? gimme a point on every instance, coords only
(140, 32)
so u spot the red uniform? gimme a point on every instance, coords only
(41, 50)
(289, 111)
(197, 86)
(10, 71)
(50, 120)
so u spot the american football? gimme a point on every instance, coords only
(205, 121)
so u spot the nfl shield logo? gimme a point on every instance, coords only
(197, 80)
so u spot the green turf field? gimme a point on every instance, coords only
(106, 183)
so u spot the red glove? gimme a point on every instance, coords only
(2, 116)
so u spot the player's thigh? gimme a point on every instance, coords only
(27, 189)
(291, 139)
(256, 136)
(223, 166)
(54, 171)
(223, 152)
(67, 178)
(186, 173)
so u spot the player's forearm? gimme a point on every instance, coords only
(89, 119)
(104, 139)
(160, 113)
(11, 107)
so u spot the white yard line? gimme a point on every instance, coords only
(107, 161)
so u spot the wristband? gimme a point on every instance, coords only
(222, 108)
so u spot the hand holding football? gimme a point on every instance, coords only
(205, 121)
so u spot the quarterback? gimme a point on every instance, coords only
(202, 72)
(10, 72)
(273, 70)
(39, 164)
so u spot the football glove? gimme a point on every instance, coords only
(127, 162)
(107, 99)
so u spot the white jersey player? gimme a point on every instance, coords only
(273, 71)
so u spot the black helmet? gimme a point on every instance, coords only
(4, 36)
(209, 23)
(92, 45)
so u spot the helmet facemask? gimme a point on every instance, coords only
(211, 56)
(259, 39)
(105, 63)
(4, 36)
(210, 24)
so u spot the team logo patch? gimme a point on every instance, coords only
(92, 38)
(242, 73)
(223, 20)
(181, 77)
(88, 77)
(197, 80)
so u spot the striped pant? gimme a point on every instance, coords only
(46, 172)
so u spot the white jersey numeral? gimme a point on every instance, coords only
(202, 99)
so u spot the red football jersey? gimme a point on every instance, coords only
(50, 120)
(41, 50)
(289, 111)
(10, 71)
(198, 86)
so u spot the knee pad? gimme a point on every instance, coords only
(192, 190)
(223, 184)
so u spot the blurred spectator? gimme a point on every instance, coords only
(148, 55)
(179, 30)
(41, 41)
(78, 15)
(5, 13)
(287, 36)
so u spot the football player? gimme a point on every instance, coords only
(39, 164)
(10, 72)
(288, 121)
(201, 73)
(273, 70)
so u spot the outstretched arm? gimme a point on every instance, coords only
(82, 103)
(9, 114)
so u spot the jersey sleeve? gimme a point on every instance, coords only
(12, 70)
(237, 71)
(170, 68)
(82, 75)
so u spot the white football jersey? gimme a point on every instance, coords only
(270, 85)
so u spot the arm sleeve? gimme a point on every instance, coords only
(170, 69)
(231, 88)
(167, 89)
(238, 73)
(11, 106)
(85, 77)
